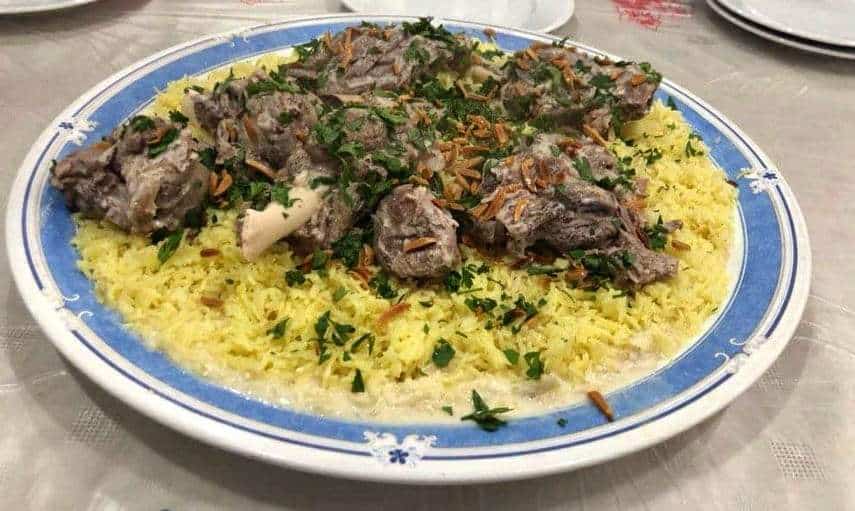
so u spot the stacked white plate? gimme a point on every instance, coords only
(826, 27)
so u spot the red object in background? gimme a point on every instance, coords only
(649, 13)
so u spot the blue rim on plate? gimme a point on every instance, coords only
(758, 320)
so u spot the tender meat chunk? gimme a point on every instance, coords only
(646, 265)
(363, 59)
(121, 180)
(90, 185)
(413, 237)
(275, 123)
(332, 221)
(570, 88)
(226, 101)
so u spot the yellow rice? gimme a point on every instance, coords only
(579, 333)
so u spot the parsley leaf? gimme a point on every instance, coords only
(141, 123)
(294, 278)
(278, 330)
(380, 283)
(484, 416)
(513, 356)
(169, 246)
(449, 410)
(358, 384)
(177, 117)
(162, 145)
(535, 365)
(443, 352)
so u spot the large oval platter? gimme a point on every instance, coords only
(772, 274)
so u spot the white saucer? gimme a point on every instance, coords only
(781, 38)
(535, 15)
(28, 6)
(826, 21)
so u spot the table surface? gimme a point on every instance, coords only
(787, 443)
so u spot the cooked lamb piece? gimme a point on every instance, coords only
(647, 266)
(414, 238)
(570, 88)
(121, 180)
(226, 101)
(274, 124)
(363, 59)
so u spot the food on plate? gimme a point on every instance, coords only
(384, 219)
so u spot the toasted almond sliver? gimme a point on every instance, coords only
(469, 172)
(615, 74)
(413, 244)
(445, 145)
(472, 150)
(637, 80)
(456, 206)
(419, 180)
(390, 313)
(479, 210)
(367, 255)
(595, 135)
(679, 245)
(224, 184)
(489, 32)
(501, 133)
(519, 208)
(211, 301)
(251, 128)
(469, 163)
(261, 167)
(601, 404)
(209, 252)
(396, 67)
(531, 54)
(213, 179)
(461, 181)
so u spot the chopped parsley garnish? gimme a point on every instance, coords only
(476, 304)
(348, 247)
(279, 193)
(390, 116)
(484, 416)
(358, 342)
(449, 410)
(671, 103)
(358, 384)
(285, 118)
(416, 53)
(294, 277)
(305, 50)
(179, 118)
(169, 246)
(443, 352)
(561, 422)
(657, 235)
(162, 145)
(691, 151)
(141, 123)
(339, 293)
(536, 269)
(652, 75)
(535, 365)
(456, 281)
(319, 261)
(278, 330)
(208, 157)
(513, 356)
(270, 86)
(341, 333)
(427, 304)
(381, 284)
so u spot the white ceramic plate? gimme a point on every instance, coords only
(780, 38)
(824, 21)
(750, 331)
(27, 6)
(535, 15)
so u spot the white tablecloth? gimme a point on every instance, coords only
(787, 443)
